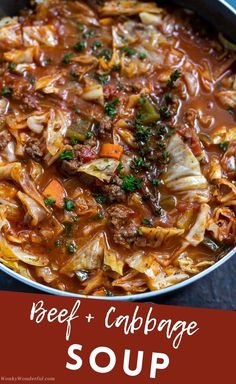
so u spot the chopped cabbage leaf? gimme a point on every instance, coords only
(102, 169)
(40, 34)
(128, 7)
(197, 232)
(90, 256)
(157, 278)
(113, 260)
(33, 209)
(188, 265)
(10, 33)
(157, 236)
(56, 130)
(22, 56)
(184, 175)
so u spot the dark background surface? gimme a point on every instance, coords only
(217, 290)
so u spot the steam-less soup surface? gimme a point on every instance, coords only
(117, 146)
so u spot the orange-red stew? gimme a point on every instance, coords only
(117, 146)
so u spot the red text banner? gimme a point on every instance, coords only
(61, 340)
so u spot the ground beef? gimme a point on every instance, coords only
(35, 149)
(119, 214)
(125, 231)
(84, 152)
(126, 235)
(70, 167)
(29, 102)
(113, 191)
(5, 138)
(105, 127)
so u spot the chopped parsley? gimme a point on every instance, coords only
(47, 61)
(67, 58)
(129, 51)
(224, 146)
(80, 46)
(6, 91)
(96, 45)
(168, 98)
(69, 205)
(106, 54)
(58, 243)
(89, 135)
(11, 67)
(31, 79)
(71, 247)
(49, 202)
(131, 183)
(120, 167)
(100, 199)
(230, 110)
(165, 158)
(155, 182)
(173, 78)
(142, 133)
(81, 27)
(88, 34)
(110, 108)
(139, 163)
(103, 79)
(147, 222)
(142, 56)
(66, 155)
(164, 113)
(68, 229)
(99, 216)
(74, 141)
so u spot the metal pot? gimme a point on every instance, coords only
(222, 16)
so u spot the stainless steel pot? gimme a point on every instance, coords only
(222, 16)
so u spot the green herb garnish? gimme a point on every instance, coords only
(58, 243)
(230, 110)
(100, 199)
(66, 155)
(69, 205)
(224, 146)
(155, 182)
(6, 91)
(173, 78)
(49, 202)
(164, 113)
(165, 158)
(110, 108)
(142, 56)
(106, 54)
(142, 133)
(147, 222)
(74, 141)
(88, 34)
(96, 45)
(67, 58)
(131, 183)
(71, 247)
(129, 51)
(99, 216)
(80, 46)
(11, 67)
(103, 79)
(89, 135)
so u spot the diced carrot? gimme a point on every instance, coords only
(55, 190)
(111, 150)
(106, 21)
